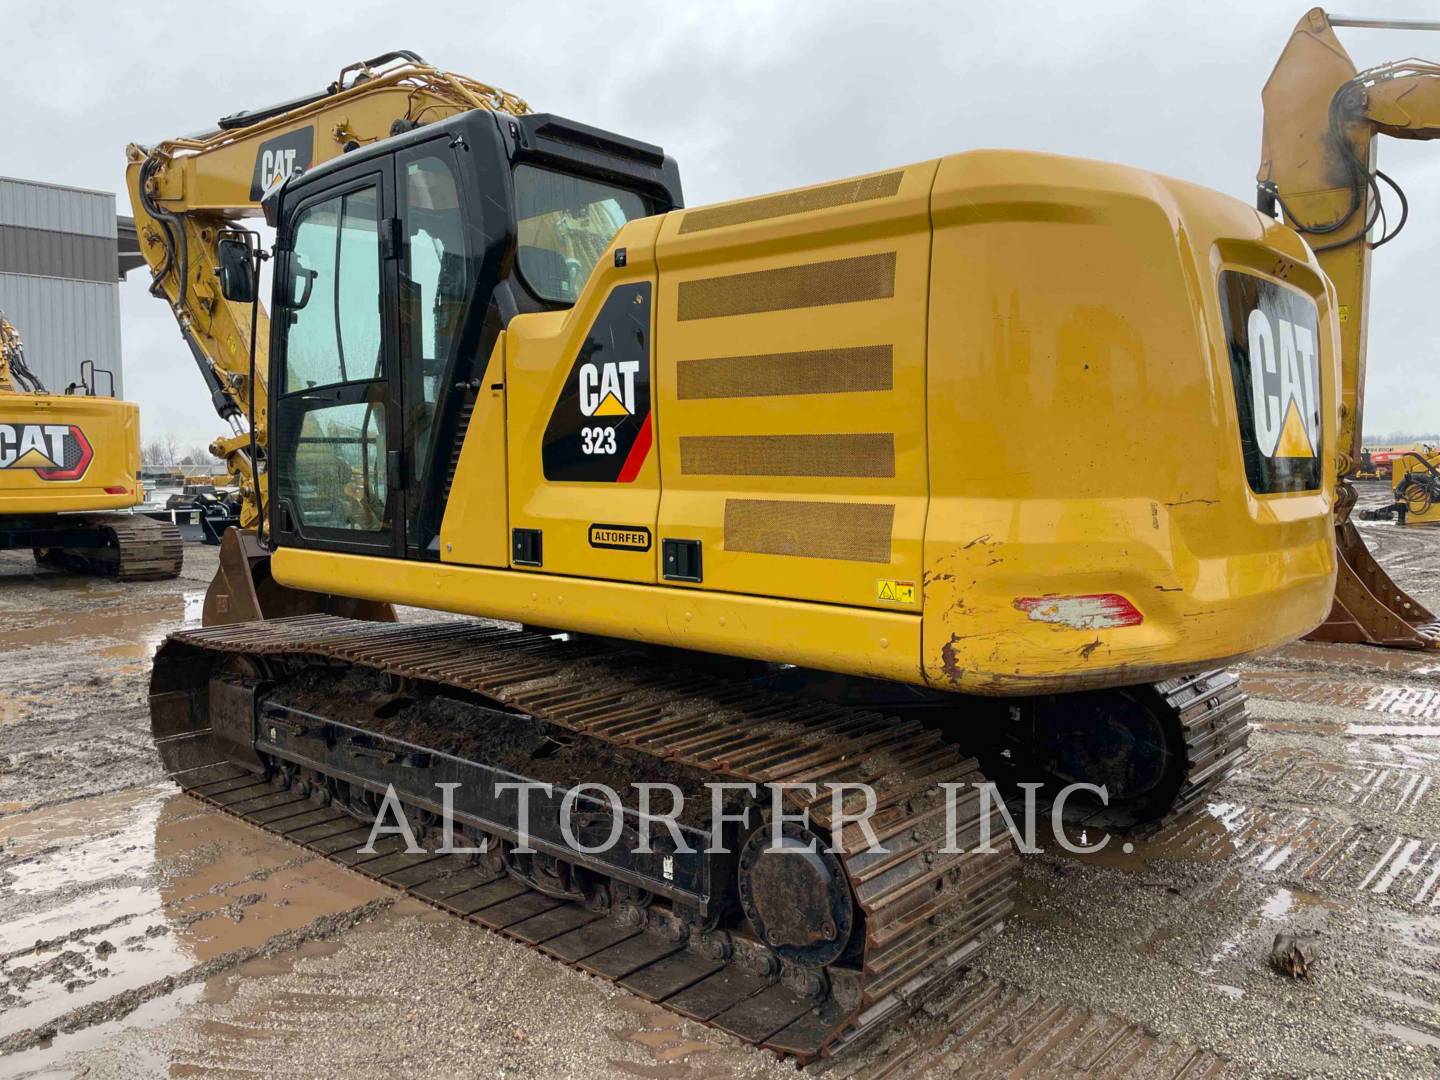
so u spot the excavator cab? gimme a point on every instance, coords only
(455, 226)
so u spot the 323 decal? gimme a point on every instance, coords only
(600, 430)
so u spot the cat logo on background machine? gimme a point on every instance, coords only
(51, 451)
(600, 429)
(1274, 333)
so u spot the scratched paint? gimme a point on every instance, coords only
(1094, 612)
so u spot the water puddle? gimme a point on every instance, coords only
(134, 630)
(63, 581)
(45, 1060)
(1203, 835)
(1410, 1035)
(16, 707)
(1279, 905)
(1299, 727)
(663, 1037)
(1153, 944)
(1412, 731)
(133, 651)
(1293, 903)
(71, 625)
(1401, 998)
(79, 821)
(110, 895)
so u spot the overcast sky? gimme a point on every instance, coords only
(749, 98)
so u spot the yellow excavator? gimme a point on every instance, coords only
(733, 492)
(1318, 171)
(68, 463)
(1415, 482)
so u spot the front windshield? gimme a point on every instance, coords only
(566, 223)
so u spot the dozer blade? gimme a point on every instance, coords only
(1369, 608)
(244, 591)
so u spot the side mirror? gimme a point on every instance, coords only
(237, 272)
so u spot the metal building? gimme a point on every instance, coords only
(59, 273)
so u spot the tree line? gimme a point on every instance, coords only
(165, 450)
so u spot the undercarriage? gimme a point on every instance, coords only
(766, 910)
(129, 547)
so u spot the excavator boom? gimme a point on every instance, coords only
(1318, 168)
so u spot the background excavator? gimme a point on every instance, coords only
(1318, 169)
(726, 454)
(68, 461)
(1415, 482)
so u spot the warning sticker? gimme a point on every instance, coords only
(894, 592)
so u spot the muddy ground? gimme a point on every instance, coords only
(142, 934)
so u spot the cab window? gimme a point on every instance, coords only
(565, 224)
(332, 420)
(332, 296)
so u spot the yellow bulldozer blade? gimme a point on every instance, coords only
(1369, 608)
(244, 591)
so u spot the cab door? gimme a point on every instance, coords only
(442, 340)
(337, 481)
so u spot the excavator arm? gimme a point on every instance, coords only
(1318, 169)
(187, 191)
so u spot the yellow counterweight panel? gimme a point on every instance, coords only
(475, 530)
(1084, 436)
(61, 452)
(540, 351)
(791, 389)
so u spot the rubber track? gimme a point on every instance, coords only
(926, 913)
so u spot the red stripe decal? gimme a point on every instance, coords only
(638, 453)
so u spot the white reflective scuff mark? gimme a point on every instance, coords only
(1078, 612)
